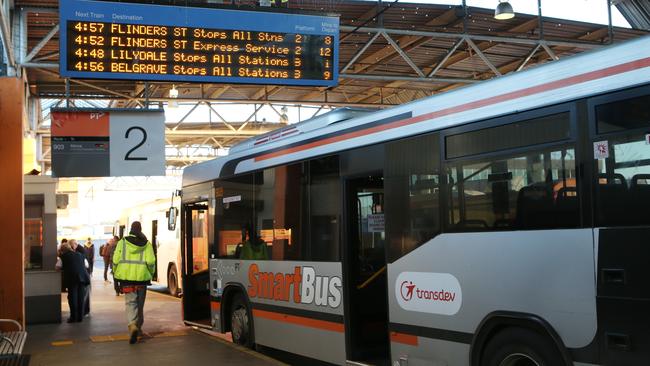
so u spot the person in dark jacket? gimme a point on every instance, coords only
(76, 279)
(81, 250)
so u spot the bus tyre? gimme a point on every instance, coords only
(240, 324)
(172, 281)
(520, 347)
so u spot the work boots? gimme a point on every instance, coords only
(133, 333)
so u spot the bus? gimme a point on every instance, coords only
(500, 224)
(166, 242)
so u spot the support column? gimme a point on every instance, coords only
(12, 102)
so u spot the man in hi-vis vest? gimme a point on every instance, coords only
(134, 263)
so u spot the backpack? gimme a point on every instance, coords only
(102, 250)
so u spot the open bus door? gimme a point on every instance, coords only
(195, 257)
(365, 272)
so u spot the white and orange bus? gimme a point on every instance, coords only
(503, 223)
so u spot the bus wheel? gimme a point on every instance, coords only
(172, 281)
(242, 332)
(520, 347)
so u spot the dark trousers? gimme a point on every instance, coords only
(107, 265)
(76, 301)
(87, 300)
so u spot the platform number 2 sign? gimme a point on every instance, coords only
(143, 134)
(137, 143)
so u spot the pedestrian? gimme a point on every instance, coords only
(89, 247)
(133, 267)
(81, 250)
(111, 251)
(58, 254)
(76, 279)
(105, 252)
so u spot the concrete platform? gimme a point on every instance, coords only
(101, 339)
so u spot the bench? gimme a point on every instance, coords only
(12, 343)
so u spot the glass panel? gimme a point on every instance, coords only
(412, 187)
(235, 214)
(33, 244)
(623, 115)
(623, 183)
(525, 133)
(199, 241)
(324, 209)
(535, 190)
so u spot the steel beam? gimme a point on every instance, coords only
(452, 35)
(359, 53)
(408, 78)
(483, 57)
(41, 44)
(403, 54)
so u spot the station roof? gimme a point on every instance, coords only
(408, 52)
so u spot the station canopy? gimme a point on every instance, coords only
(390, 53)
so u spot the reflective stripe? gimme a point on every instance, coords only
(124, 260)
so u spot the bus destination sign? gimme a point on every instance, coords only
(104, 40)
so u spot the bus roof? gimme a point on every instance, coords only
(615, 67)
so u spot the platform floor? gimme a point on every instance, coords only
(101, 339)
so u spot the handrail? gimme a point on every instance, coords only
(20, 327)
(372, 278)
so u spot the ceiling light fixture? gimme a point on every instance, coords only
(504, 11)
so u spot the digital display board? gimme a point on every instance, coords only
(105, 40)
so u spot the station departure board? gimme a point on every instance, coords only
(105, 40)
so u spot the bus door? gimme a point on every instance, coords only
(196, 293)
(154, 242)
(365, 271)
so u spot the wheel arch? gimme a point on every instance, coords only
(499, 320)
(228, 295)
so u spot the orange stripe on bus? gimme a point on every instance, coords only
(589, 76)
(407, 339)
(215, 305)
(299, 320)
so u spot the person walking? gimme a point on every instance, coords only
(111, 251)
(89, 247)
(76, 279)
(105, 252)
(133, 267)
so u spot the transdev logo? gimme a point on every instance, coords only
(436, 293)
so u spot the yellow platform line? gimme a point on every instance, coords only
(125, 337)
(62, 343)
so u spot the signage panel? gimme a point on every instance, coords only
(100, 143)
(105, 40)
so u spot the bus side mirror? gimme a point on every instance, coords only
(171, 218)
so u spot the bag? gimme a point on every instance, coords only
(102, 250)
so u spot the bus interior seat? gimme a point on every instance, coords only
(611, 200)
(640, 198)
(534, 208)
(566, 207)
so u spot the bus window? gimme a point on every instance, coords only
(234, 214)
(536, 190)
(199, 241)
(278, 216)
(324, 213)
(623, 182)
(623, 115)
(412, 192)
